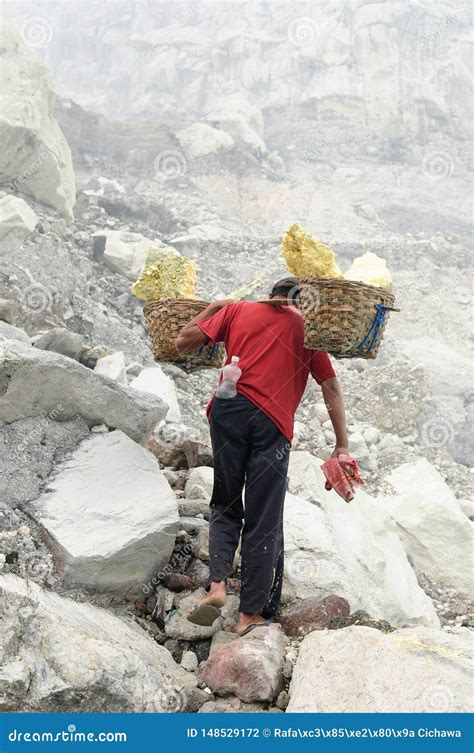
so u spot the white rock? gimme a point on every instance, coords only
(362, 670)
(17, 216)
(437, 535)
(125, 252)
(305, 476)
(200, 139)
(113, 366)
(189, 661)
(200, 482)
(357, 446)
(35, 158)
(37, 381)
(64, 656)
(321, 412)
(153, 380)
(467, 506)
(371, 435)
(241, 120)
(352, 550)
(110, 513)
(9, 332)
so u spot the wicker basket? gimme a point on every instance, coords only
(344, 318)
(165, 319)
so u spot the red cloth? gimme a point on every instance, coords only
(275, 364)
(342, 474)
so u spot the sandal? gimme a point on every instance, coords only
(251, 627)
(204, 614)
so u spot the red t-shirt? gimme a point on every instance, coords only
(275, 364)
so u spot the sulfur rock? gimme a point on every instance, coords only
(306, 256)
(165, 274)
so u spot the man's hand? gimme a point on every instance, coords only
(340, 451)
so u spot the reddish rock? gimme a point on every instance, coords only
(250, 668)
(179, 582)
(197, 453)
(315, 614)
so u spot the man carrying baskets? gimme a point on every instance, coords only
(251, 437)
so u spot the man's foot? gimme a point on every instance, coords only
(246, 621)
(216, 596)
(206, 611)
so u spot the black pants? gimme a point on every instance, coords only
(248, 450)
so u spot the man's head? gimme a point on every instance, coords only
(287, 287)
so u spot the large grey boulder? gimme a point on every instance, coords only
(436, 534)
(200, 139)
(28, 452)
(35, 158)
(361, 670)
(16, 216)
(109, 515)
(35, 382)
(58, 655)
(352, 550)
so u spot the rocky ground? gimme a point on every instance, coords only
(105, 464)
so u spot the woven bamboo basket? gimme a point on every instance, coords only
(165, 319)
(343, 317)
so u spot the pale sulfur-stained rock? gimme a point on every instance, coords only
(361, 670)
(154, 381)
(16, 216)
(35, 158)
(437, 535)
(109, 515)
(58, 655)
(34, 382)
(251, 667)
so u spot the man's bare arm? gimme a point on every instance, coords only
(333, 398)
(191, 337)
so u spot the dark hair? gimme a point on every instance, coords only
(288, 287)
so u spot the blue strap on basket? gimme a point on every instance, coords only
(376, 328)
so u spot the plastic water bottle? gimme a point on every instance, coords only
(231, 375)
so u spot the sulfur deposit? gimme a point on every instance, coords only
(165, 274)
(306, 256)
(371, 269)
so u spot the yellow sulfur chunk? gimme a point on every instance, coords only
(239, 293)
(165, 274)
(371, 269)
(306, 256)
